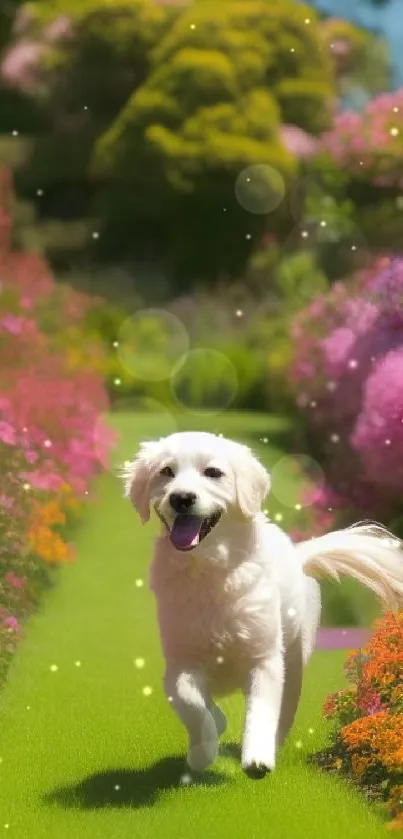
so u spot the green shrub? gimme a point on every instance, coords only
(158, 109)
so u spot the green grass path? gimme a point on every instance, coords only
(86, 754)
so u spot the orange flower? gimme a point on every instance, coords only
(49, 546)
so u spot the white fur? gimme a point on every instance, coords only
(241, 609)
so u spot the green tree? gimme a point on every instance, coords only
(154, 111)
(223, 79)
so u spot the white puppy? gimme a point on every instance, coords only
(237, 605)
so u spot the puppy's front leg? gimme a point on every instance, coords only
(186, 691)
(263, 702)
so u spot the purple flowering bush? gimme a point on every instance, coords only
(347, 376)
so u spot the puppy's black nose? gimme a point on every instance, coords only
(182, 501)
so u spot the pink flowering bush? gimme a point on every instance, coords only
(347, 375)
(51, 441)
(369, 145)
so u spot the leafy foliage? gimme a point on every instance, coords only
(152, 111)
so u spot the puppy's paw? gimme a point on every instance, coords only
(202, 755)
(256, 771)
(257, 761)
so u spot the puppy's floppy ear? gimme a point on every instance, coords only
(252, 483)
(137, 475)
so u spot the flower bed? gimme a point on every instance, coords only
(347, 375)
(51, 395)
(367, 741)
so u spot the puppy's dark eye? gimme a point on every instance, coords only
(212, 472)
(167, 472)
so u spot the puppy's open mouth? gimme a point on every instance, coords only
(188, 531)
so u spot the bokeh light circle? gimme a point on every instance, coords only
(259, 189)
(295, 480)
(117, 433)
(204, 381)
(150, 342)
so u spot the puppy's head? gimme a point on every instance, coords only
(194, 481)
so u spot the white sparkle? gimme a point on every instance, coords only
(395, 110)
(323, 223)
(353, 363)
(220, 659)
(28, 707)
(394, 132)
(85, 107)
(118, 382)
(292, 49)
(387, 442)
(27, 486)
(361, 163)
(25, 429)
(298, 507)
(193, 26)
(353, 247)
(224, 209)
(298, 744)
(248, 236)
(170, 698)
(311, 730)
(15, 133)
(86, 492)
(139, 583)
(291, 613)
(39, 192)
(313, 404)
(266, 512)
(6, 826)
(54, 668)
(147, 690)
(278, 517)
(77, 663)
(304, 234)
(330, 509)
(265, 439)
(116, 343)
(95, 234)
(186, 779)
(239, 313)
(47, 444)
(307, 20)
(220, 434)
(334, 438)
(116, 787)
(139, 662)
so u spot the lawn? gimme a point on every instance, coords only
(89, 747)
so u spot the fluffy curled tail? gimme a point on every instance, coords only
(367, 551)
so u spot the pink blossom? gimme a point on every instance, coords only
(7, 433)
(15, 581)
(12, 623)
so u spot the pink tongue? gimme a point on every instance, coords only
(184, 531)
